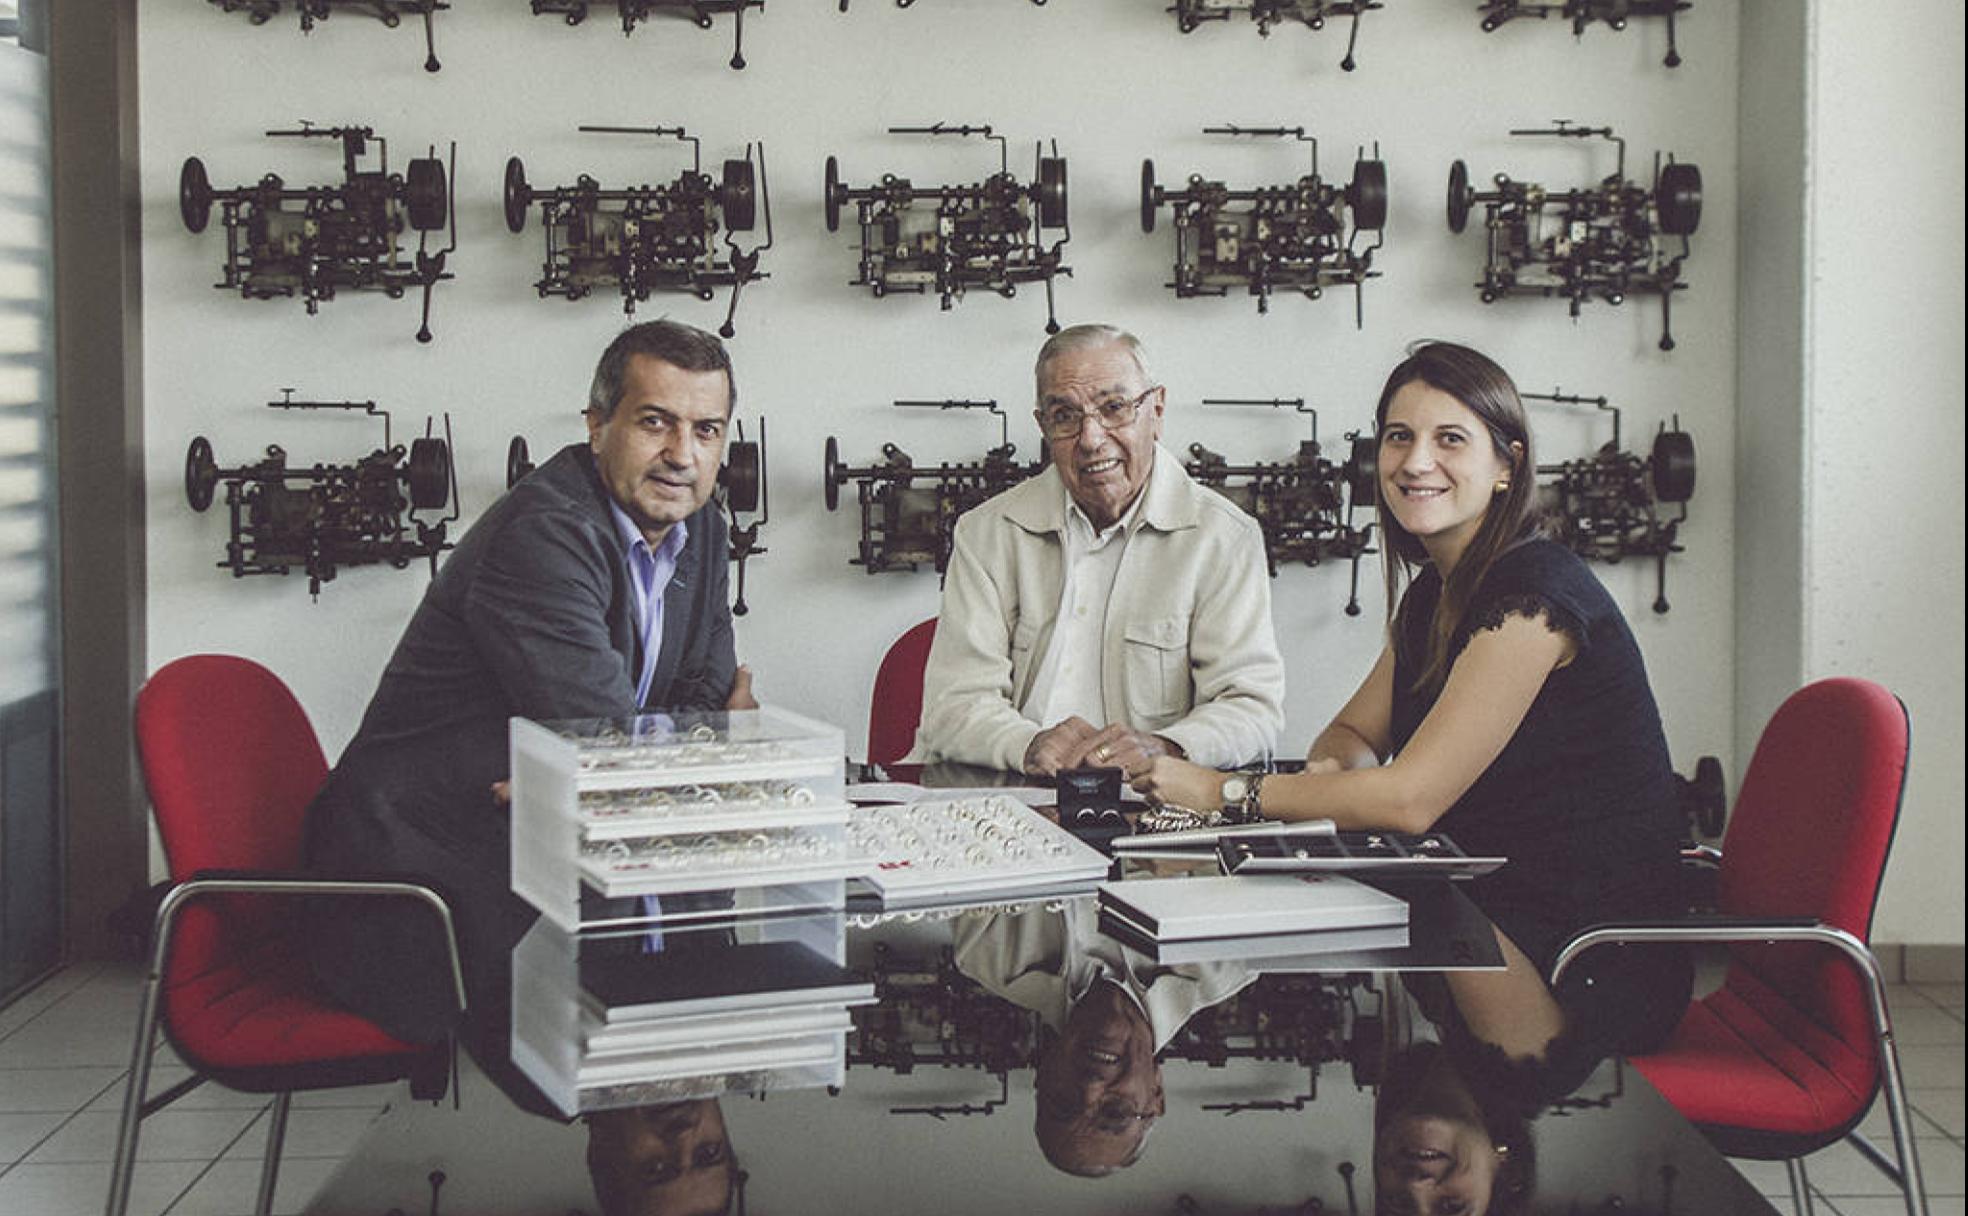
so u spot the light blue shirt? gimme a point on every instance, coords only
(650, 572)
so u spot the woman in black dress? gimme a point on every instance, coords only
(1510, 709)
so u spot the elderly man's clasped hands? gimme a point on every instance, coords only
(1077, 743)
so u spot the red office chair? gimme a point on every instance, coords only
(896, 710)
(231, 763)
(1786, 1056)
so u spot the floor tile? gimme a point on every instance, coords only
(1907, 996)
(20, 1132)
(1926, 1027)
(230, 1188)
(1841, 1170)
(63, 1089)
(67, 1035)
(1768, 1177)
(1948, 996)
(326, 1132)
(368, 1097)
(1933, 1066)
(1941, 1107)
(79, 1190)
(33, 1002)
(1936, 1206)
(171, 1135)
(209, 1096)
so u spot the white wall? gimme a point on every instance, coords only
(1883, 377)
(1111, 79)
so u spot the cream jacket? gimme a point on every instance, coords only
(1046, 961)
(1189, 652)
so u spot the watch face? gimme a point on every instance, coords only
(1233, 791)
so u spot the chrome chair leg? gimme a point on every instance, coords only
(1800, 1186)
(276, 1141)
(125, 1162)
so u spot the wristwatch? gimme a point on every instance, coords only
(1240, 798)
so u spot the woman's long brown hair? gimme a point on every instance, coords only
(1475, 380)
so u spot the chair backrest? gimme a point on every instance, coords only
(1809, 836)
(231, 763)
(896, 709)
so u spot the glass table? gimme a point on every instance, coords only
(1268, 1101)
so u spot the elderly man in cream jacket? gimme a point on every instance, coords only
(1108, 610)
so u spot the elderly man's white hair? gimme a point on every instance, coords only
(1088, 337)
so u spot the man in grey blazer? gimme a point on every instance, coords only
(595, 588)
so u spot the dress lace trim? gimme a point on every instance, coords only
(1528, 604)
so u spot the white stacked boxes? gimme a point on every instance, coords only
(714, 845)
(665, 804)
(598, 1024)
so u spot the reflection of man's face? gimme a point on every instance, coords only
(1435, 1157)
(661, 1160)
(1099, 1085)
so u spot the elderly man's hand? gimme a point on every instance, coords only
(1172, 782)
(1058, 746)
(1119, 747)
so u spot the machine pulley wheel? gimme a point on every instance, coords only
(1678, 199)
(1052, 192)
(739, 198)
(429, 197)
(1368, 194)
(194, 195)
(740, 475)
(1362, 471)
(1147, 196)
(1460, 196)
(429, 473)
(833, 194)
(519, 195)
(833, 476)
(201, 473)
(1673, 466)
(1708, 797)
(518, 461)
(1365, 1047)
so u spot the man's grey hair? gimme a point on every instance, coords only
(681, 346)
(1088, 337)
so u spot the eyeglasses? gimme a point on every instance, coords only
(1064, 421)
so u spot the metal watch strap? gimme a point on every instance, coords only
(1249, 811)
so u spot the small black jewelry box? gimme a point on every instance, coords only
(1090, 805)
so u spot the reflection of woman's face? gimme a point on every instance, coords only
(1428, 1165)
(1434, 1157)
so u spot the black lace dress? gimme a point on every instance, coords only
(1581, 800)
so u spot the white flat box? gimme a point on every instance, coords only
(1171, 909)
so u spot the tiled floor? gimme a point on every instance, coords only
(64, 1056)
(64, 1053)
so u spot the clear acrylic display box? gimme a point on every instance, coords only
(662, 804)
(721, 1036)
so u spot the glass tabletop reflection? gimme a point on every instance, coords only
(1015, 1058)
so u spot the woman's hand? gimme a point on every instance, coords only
(1169, 781)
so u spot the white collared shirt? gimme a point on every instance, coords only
(1068, 679)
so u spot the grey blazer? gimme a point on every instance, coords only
(532, 614)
